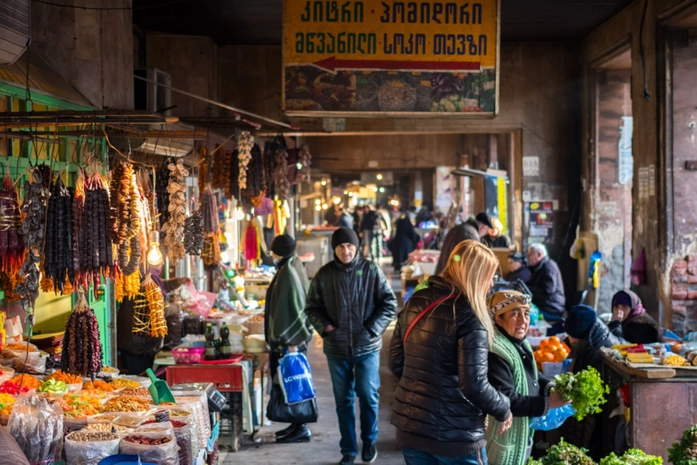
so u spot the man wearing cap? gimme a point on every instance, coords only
(474, 228)
(350, 303)
(285, 324)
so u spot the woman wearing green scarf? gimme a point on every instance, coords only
(513, 372)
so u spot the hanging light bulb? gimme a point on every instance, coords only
(299, 165)
(379, 176)
(324, 183)
(239, 214)
(154, 254)
(318, 207)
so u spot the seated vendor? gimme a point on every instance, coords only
(519, 268)
(137, 351)
(495, 237)
(630, 321)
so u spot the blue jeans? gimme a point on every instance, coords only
(416, 457)
(350, 378)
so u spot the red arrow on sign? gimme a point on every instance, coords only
(332, 64)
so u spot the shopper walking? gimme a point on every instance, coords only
(285, 324)
(350, 304)
(439, 352)
(372, 227)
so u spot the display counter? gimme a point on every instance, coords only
(661, 405)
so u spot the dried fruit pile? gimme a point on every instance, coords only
(147, 441)
(82, 349)
(127, 404)
(67, 378)
(58, 247)
(174, 228)
(11, 243)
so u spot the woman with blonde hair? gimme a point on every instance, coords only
(439, 352)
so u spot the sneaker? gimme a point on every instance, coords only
(370, 453)
(347, 460)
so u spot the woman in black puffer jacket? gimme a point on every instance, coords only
(444, 395)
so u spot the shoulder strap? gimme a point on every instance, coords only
(423, 313)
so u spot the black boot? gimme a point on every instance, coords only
(285, 431)
(300, 434)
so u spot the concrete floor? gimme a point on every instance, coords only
(324, 448)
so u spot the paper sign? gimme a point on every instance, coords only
(531, 166)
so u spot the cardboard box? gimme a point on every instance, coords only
(552, 368)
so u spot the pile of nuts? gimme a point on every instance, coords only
(91, 436)
(127, 404)
(139, 392)
(147, 441)
(105, 428)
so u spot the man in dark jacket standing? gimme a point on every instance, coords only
(547, 287)
(285, 323)
(350, 304)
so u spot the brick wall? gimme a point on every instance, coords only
(684, 294)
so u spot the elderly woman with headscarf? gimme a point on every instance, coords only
(630, 320)
(519, 268)
(513, 372)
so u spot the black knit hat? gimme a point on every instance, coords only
(517, 257)
(580, 320)
(283, 245)
(342, 236)
(484, 218)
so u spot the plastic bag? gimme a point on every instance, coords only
(161, 454)
(198, 302)
(295, 378)
(190, 420)
(89, 451)
(278, 410)
(36, 423)
(554, 418)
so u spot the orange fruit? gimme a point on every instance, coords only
(548, 357)
(566, 348)
(554, 340)
(543, 343)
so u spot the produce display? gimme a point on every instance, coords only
(551, 350)
(685, 451)
(174, 228)
(58, 248)
(564, 454)
(7, 401)
(120, 383)
(82, 349)
(80, 405)
(585, 390)
(127, 404)
(60, 375)
(675, 361)
(98, 385)
(632, 457)
(139, 392)
(11, 243)
(21, 347)
(53, 386)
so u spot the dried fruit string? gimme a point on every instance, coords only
(11, 243)
(82, 349)
(174, 228)
(156, 305)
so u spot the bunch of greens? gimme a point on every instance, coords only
(685, 452)
(632, 457)
(564, 454)
(585, 390)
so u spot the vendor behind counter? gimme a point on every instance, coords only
(137, 352)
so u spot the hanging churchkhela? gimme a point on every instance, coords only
(245, 144)
(174, 228)
(96, 256)
(280, 174)
(193, 233)
(211, 246)
(11, 243)
(82, 349)
(305, 160)
(124, 217)
(34, 208)
(58, 247)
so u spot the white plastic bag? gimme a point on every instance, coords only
(166, 453)
(36, 423)
(89, 452)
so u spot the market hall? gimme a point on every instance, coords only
(252, 231)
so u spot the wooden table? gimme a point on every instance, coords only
(661, 405)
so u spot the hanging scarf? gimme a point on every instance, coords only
(511, 447)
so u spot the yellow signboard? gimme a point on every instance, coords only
(373, 56)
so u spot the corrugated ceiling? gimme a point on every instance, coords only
(258, 22)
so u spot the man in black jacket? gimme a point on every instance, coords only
(350, 304)
(547, 287)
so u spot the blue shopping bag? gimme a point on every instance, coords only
(295, 378)
(554, 418)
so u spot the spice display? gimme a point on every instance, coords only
(96, 258)
(584, 389)
(121, 383)
(156, 306)
(564, 453)
(174, 228)
(280, 174)
(193, 233)
(11, 243)
(60, 375)
(82, 349)
(58, 248)
(127, 404)
(245, 143)
(305, 160)
(98, 385)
